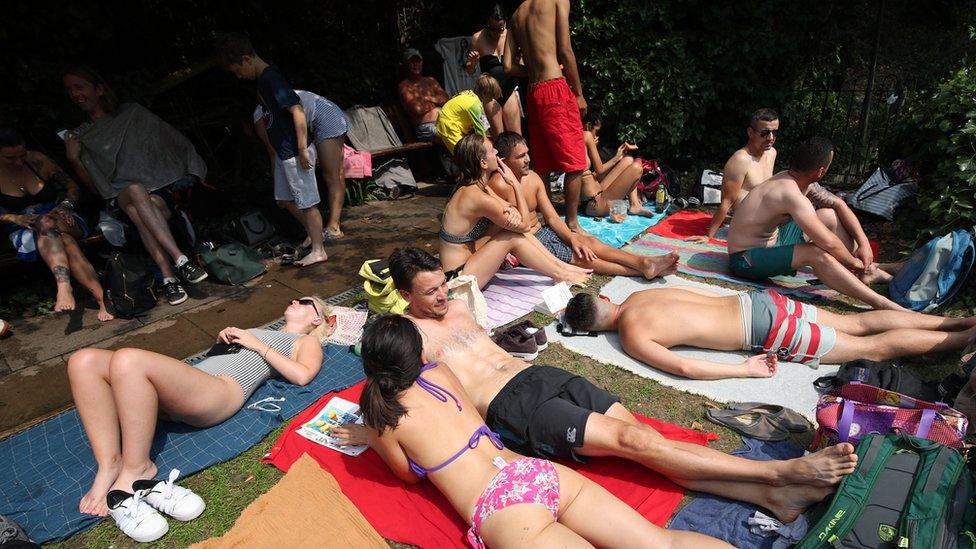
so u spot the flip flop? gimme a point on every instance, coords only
(781, 415)
(755, 425)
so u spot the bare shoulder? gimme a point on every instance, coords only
(633, 325)
(739, 161)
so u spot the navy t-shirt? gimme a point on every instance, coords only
(275, 95)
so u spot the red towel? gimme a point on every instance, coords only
(419, 515)
(681, 225)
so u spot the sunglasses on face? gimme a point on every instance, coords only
(310, 303)
(766, 133)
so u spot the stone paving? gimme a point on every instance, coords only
(33, 379)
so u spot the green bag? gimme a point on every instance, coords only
(907, 492)
(232, 263)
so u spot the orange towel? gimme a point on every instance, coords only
(305, 509)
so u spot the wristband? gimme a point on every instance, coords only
(265, 354)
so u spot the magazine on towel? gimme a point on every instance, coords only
(336, 413)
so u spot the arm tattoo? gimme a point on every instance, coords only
(821, 197)
(61, 273)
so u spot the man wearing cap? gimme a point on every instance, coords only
(422, 96)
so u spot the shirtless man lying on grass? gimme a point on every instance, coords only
(790, 221)
(651, 321)
(548, 412)
(581, 250)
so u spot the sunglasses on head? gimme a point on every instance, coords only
(767, 132)
(310, 303)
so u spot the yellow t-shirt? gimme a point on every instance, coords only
(460, 116)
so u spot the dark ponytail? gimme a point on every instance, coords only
(391, 349)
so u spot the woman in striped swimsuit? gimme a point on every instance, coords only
(120, 394)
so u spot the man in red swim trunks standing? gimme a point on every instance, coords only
(538, 42)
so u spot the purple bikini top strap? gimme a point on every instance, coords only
(472, 443)
(439, 392)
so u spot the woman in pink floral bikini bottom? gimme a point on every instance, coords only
(419, 413)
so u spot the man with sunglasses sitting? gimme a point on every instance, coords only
(790, 221)
(746, 168)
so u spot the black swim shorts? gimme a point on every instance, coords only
(542, 412)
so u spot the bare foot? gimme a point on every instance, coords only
(874, 275)
(640, 210)
(128, 476)
(93, 503)
(789, 502)
(660, 265)
(103, 314)
(312, 259)
(824, 468)
(576, 228)
(307, 243)
(65, 300)
(576, 278)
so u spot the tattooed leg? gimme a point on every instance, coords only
(51, 248)
(85, 274)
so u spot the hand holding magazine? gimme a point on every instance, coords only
(336, 413)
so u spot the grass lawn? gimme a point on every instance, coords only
(229, 487)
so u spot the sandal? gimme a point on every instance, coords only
(785, 417)
(753, 424)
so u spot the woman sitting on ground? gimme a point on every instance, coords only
(422, 424)
(614, 180)
(137, 162)
(37, 213)
(479, 228)
(119, 395)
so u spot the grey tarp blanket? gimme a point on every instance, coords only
(133, 145)
(370, 130)
(455, 54)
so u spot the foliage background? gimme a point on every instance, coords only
(677, 76)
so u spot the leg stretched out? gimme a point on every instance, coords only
(119, 395)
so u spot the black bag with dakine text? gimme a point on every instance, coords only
(888, 374)
(128, 283)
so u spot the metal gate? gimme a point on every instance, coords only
(855, 115)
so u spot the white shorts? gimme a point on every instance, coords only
(294, 184)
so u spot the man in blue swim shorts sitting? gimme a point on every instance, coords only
(790, 221)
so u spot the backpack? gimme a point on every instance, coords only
(855, 410)
(934, 274)
(884, 191)
(381, 295)
(906, 492)
(232, 263)
(889, 375)
(128, 283)
(655, 174)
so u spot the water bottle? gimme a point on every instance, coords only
(660, 198)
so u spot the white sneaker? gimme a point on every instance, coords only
(176, 501)
(136, 519)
